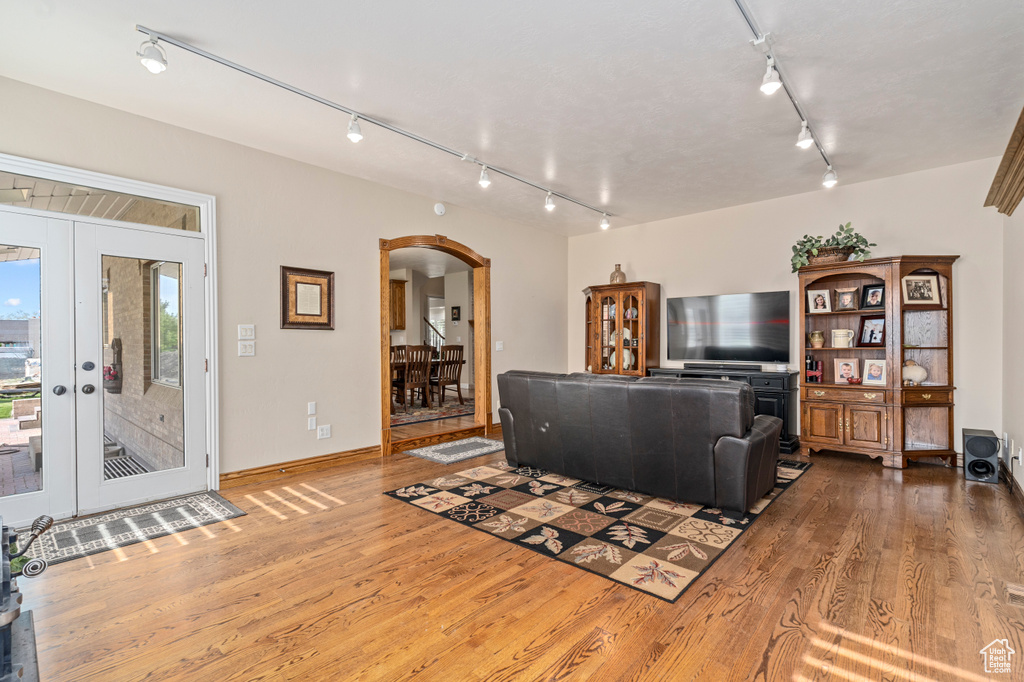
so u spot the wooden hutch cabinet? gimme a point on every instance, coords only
(886, 418)
(623, 336)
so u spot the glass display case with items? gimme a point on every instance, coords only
(622, 333)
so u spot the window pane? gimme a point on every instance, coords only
(168, 323)
(46, 195)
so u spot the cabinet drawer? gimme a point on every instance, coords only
(845, 395)
(941, 396)
(767, 382)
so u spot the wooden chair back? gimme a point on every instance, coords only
(450, 370)
(417, 365)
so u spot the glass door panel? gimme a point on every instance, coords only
(609, 332)
(140, 349)
(36, 465)
(630, 331)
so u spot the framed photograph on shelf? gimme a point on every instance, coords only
(874, 372)
(921, 290)
(872, 297)
(846, 368)
(872, 331)
(819, 301)
(846, 298)
(307, 298)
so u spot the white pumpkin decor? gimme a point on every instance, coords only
(913, 374)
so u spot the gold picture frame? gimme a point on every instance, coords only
(307, 298)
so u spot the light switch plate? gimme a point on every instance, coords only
(499, 345)
(311, 424)
(246, 349)
(311, 408)
(246, 332)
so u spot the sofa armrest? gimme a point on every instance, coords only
(508, 435)
(745, 467)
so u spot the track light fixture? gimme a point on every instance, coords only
(805, 140)
(604, 222)
(154, 59)
(771, 81)
(829, 179)
(354, 133)
(152, 56)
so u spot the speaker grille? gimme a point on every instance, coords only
(981, 447)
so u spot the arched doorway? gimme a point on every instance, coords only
(481, 338)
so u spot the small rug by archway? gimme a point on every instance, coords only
(650, 544)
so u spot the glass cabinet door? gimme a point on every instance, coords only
(631, 332)
(608, 323)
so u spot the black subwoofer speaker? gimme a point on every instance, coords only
(981, 456)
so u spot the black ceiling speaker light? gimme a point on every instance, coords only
(981, 456)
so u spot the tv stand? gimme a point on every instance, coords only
(775, 393)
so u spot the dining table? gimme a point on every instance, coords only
(398, 367)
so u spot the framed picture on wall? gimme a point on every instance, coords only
(456, 313)
(307, 298)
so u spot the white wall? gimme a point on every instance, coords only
(271, 212)
(1013, 336)
(458, 291)
(747, 248)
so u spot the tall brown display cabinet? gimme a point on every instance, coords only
(893, 421)
(622, 331)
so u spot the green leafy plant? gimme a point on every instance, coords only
(844, 238)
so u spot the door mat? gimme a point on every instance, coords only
(458, 450)
(76, 538)
(650, 544)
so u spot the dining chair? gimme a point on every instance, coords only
(416, 375)
(449, 373)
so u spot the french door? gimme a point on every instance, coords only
(102, 377)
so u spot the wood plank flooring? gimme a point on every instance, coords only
(856, 573)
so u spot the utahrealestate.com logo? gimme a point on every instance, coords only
(997, 656)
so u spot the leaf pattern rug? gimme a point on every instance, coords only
(647, 543)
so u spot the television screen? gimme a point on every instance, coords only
(732, 327)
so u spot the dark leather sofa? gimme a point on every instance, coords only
(689, 440)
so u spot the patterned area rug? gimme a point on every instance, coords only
(418, 414)
(647, 543)
(76, 538)
(458, 450)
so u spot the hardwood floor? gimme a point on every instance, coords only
(431, 428)
(856, 573)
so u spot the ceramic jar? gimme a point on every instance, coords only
(816, 339)
(618, 276)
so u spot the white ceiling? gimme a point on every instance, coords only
(426, 261)
(648, 109)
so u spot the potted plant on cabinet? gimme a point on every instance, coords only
(839, 247)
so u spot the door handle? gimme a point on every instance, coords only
(60, 390)
(88, 388)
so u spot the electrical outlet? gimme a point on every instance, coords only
(311, 424)
(246, 332)
(499, 345)
(310, 408)
(323, 431)
(246, 349)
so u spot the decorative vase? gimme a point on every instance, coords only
(830, 254)
(618, 276)
(817, 339)
(914, 374)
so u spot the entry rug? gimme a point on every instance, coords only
(458, 450)
(419, 414)
(650, 544)
(75, 538)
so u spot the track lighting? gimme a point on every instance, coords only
(829, 179)
(152, 56)
(604, 222)
(485, 179)
(354, 133)
(771, 81)
(805, 139)
(549, 203)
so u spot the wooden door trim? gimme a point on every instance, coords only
(481, 328)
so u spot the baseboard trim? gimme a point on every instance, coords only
(272, 471)
(1015, 490)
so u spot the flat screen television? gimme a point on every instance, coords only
(730, 328)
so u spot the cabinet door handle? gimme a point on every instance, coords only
(926, 396)
(819, 393)
(870, 396)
